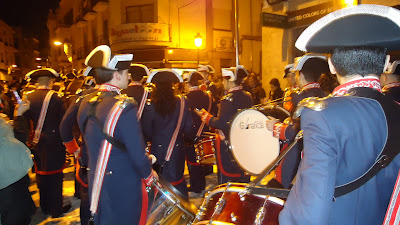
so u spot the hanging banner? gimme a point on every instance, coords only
(140, 32)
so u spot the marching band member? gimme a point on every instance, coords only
(390, 81)
(46, 112)
(349, 164)
(291, 79)
(67, 125)
(135, 89)
(308, 70)
(236, 99)
(118, 168)
(197, 99)
(166, 121)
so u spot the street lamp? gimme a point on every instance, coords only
(198, 41)
(58, 43)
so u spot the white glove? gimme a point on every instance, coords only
(76, 153)
(152, 158)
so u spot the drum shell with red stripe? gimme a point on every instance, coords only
(231, 203)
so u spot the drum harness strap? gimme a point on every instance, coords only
(175, 134)
(102, 160)
(42, 117)
(142, 103)
(203, 123)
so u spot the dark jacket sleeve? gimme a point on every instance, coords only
(221, 121)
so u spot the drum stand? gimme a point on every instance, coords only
(277, 192)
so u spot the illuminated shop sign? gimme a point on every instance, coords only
(140, 32)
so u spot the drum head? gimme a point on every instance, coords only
(252, 144)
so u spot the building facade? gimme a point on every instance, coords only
(160, 33)
(7, 50)
(282, 24)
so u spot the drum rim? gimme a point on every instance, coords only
(230, 136)
(177, 195)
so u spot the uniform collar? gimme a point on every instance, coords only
(368, 81)
(235, 89)
(109, 87)
(135, 83)
(43, 87)
(311, 85)
(391, 85)
(194, 88)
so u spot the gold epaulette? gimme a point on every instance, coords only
(227, 97)
(313, 103)
(124, 101)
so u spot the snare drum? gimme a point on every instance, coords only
(252, 144)
(231, 203)
(205, 150)
(168, 206)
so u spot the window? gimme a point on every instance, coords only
(140, 14)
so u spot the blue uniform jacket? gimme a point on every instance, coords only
(67, 125)
(230, 104)
(341, 143)
(291, 161)
(122, 191)
(50, 152)
(159, 130)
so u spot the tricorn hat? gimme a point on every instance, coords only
(302, 60)
(138, 71)
(45, 72)
(164, 75)
(288, 69)
(194, 75)
(101, 57)
(234, 72)
(394, 68)
(358, 26)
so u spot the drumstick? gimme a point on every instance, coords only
(209, 133)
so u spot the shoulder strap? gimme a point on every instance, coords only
(175, 135)
(42, 116)
(142, 104)
(104, 154)
(203, 123)
(390, 150)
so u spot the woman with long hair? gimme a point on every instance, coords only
(165, 121)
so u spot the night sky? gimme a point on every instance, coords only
(31, 15)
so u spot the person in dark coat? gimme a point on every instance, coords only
(5, 103)
(197, 99)
(390, 81)
(345, 135)
(166, 121)
(308, 69)
(119, 169)
(276, 93)
(46, 112)
(236, 99)
(67, 125)
(257, 91)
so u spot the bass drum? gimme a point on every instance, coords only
(252, 144)
(231, 203)
(168, 206)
